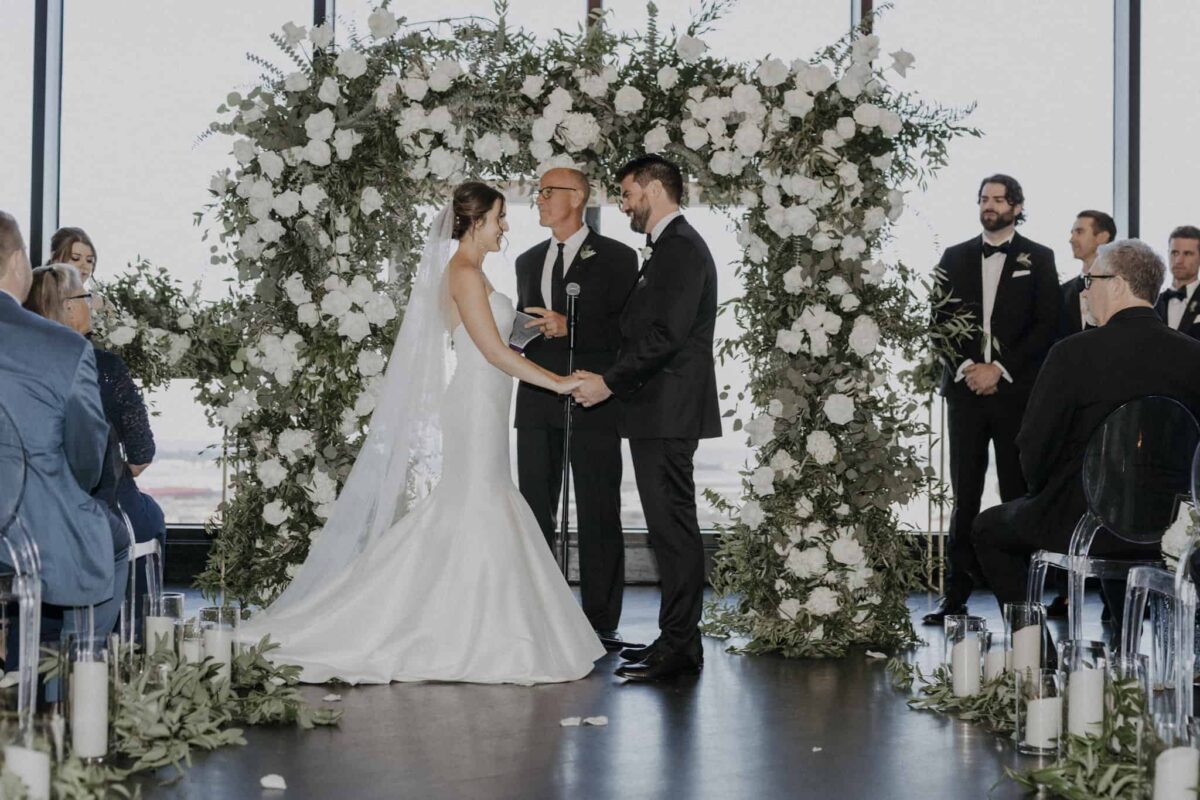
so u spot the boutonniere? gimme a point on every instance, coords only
(647, 251)
(1024, 260)
(585, 253)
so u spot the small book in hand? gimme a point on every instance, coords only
(521, 336)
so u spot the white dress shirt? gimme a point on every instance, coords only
(1176, 307)
(573, 243)
(992, 267)
(662, 225)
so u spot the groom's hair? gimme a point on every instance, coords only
(655, 168)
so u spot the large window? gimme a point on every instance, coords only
(16, 134)
(1170, 119)
(141, 82)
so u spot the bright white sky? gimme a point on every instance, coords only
(142, 80)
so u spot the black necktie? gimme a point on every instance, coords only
(990, 250)
(1175, 294)
(649, 241)
(558, 290)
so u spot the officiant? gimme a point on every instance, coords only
(605, 271)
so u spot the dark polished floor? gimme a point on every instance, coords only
(748, 727)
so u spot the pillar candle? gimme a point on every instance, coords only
(89, 709)
(964, 666)
(1176, 773)
(1027, 648)
(159, 632)
(32, 767)
(218, 645)
(995, 663)
(1085, 701)
(1043, 722)
(191, 649)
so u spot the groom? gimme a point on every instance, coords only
(665, 379)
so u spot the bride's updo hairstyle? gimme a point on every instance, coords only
(472, 202)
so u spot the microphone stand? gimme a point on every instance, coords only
(563, 554)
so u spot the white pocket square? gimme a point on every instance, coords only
(1021, 273)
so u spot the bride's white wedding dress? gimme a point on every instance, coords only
(462, 587)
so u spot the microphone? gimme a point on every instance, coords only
(572, 297)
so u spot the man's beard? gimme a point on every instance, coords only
(638, 218)
(997, 223)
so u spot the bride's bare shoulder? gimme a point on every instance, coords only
(463, 276)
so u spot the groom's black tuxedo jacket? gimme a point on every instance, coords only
(1086, 377)
(664, 375)
(1025, 316)
(605, 277)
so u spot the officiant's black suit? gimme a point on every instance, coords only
(1189, 323)
(605, 270)
(1084, 379)
(667, 385)
(1071, 320)
(1025, 323)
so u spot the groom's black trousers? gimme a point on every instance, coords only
(665, 482)
(596, 474)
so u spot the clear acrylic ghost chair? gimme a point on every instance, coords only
(1154, 586)
(21, 566)
(151, 553)
(1135, 465)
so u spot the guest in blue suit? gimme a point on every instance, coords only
(48, 385)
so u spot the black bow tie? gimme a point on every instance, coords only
(990, 250)
(1175, 294)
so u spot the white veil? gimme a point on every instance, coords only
(400, 460)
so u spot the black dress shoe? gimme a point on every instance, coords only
(661, 667)
(612, 641)
(636, 655)
(946, 608)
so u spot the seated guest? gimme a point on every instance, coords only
(1086, 377)
(57, 294)
(1091, 229)
(48, 385)
(123, 404)
(1179, 306)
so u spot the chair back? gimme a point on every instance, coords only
(1137, 463)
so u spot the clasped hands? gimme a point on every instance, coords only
(591, 389)
(982, 379)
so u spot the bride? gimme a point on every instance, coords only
(431, 567)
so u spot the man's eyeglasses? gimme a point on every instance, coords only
(84, 296)
(547, 191)
(1087, 279)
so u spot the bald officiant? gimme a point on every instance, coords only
(605, 271)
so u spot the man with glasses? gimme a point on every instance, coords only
(1007, 287)
(1086, 377)
(1179, 305)
(605, 271)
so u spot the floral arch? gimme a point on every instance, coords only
(339, 156)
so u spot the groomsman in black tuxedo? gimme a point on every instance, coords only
(1179, 305)
(1007, 285)
(605, 271)
(1091, 229)
(667, 384)
(1085, 378)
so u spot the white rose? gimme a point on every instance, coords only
(722, 163)
(122, 335)
(800, 219)
(287, 204)
(296, 82)
(865, 49)
(837, 285)
(344, 141)
(783, 464)
(868, 115)
(559, 98)
(694, 137)
(839, 409)
(831, 140)
(822, 447)
(789, 341)
(748, 138)
(271, 164)
(690, 48)
(317, 153)
(850, 86)
(185, 321)
(864, 336)
(319, 126)
(874, 219)
(815, 79)
(443, 163)
(873, 272)
(890, 123)
(271, 473)
(895, 204)
(656, 140)
(444, 73)
(321, 36)
(414, 88)
(822, 242)
(370, 363)
(628, 100)
(752, 514)
(532, 86)
(762, 480)
(354, 326)
(311, 197)
(321, 488)
(488, 148)
(243, 151)
(775, 408)
(797, 102)
(806, 563)
(275, 513)
(667, 78)
(579, 131)
(804, 508)
(853, 247)
(293, 33)
(306, 314)
(845, 128)
(329, 92)
(761, 430)
(848, 551)
(849, 302)
(371, 201)
(336, 304)
(593, 85)
(382, 23)
(772, 72)
(795, 281)
(789, 608)
(822, 602)
(351, 63)
(541, 151)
